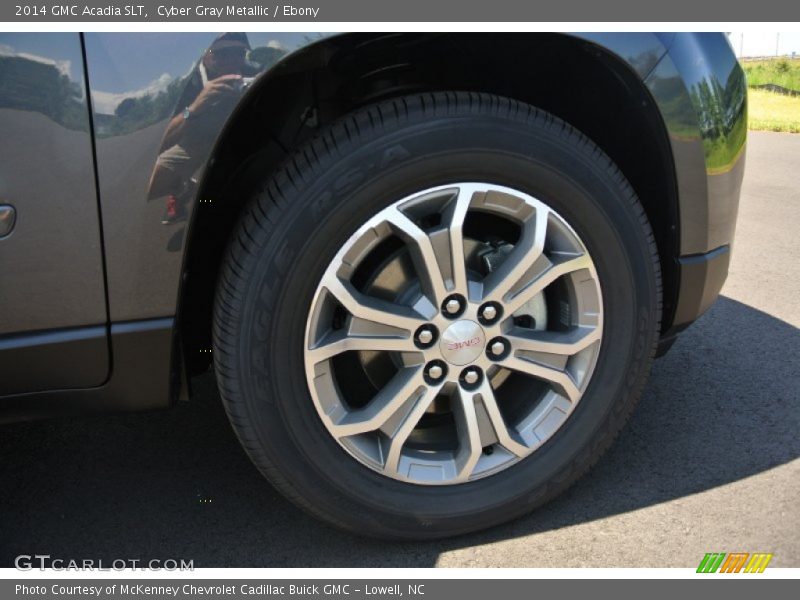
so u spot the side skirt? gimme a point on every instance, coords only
(140, 376)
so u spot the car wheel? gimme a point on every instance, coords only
(436, 315)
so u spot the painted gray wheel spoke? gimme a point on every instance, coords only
(343, 342)
(405, 386)
(456, 215)
(508, 439)
(540, 282)
(372, 309)
(423, 255)
(523, 257)
(469, 438)
(567, 343)
(399, 436)
(561, 380)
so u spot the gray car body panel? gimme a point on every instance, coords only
(51, 269)
(53, 319)
(144, 258)
(701, 78)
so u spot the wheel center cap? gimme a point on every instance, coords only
(462, 342)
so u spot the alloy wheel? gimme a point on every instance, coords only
(453, 333)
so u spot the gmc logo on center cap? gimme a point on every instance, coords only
(465, 344)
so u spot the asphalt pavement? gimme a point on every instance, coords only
(708, 463)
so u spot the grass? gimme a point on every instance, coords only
(780, 71)
(769, 111)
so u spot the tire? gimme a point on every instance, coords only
(305, 213)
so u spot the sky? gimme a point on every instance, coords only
(757, 43)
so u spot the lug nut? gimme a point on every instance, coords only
(489, 313)
(451, 307)
(497, 348)
(435, 372)
(425, 336)
(471, 378)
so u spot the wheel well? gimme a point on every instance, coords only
(576, 80)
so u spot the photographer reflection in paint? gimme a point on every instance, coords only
(213, 87)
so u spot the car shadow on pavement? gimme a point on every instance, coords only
(721, 406)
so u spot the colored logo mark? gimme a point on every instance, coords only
(735, 562)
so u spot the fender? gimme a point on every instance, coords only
(144, 257)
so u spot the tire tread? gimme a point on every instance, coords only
(270, 202)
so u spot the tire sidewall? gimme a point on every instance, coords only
(338, 195)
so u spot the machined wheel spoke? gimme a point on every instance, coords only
(400, 435)
(565, 343)
(457, 214)
(526, 252)
(373, 309)
(336, 344)
(561, 380)
(422, 254)
(506, 438)
(405, 385)
(539, 283)
(469, 437)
